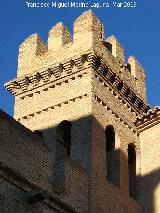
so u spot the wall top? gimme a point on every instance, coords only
(148, 119)
(88, 36)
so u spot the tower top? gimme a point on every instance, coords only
(36, 57)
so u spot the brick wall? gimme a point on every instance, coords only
(24, 157)
(150, 168)
(63, 82)
(112, 198)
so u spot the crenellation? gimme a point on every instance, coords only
(32, 47)
(117, 67)
(116, 49)
(139, 74)
(58, 36)
(88, 37)
(87, 27)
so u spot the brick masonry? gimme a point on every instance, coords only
(84, 81)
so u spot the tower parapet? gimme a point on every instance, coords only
(58, 36)
(139, 74)
(116, 49)
(34, 54)
(88, 36)
(31, 48)
(88, 28)
(40, 64)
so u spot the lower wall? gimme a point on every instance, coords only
(24, 158)
(11, 198)
(150, 169)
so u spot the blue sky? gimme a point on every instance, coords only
(138, 30)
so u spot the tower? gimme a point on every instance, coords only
(83, 99)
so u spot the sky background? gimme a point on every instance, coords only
(137, 29)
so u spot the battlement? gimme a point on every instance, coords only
(88, 27)
(39, 63)
(58, 36)
(61, 74)
(139, 74)
(32, 47)
(88, 36)
(116, 48)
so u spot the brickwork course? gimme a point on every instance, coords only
(83, 137)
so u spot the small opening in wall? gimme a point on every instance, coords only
(105, 71)
(133, 99)
(112, 157)
(108, 46)
(63, 135)
(39, 76)
(132, 170)
(61, 67)
(128, 67)
(27, 80)
(113, 78)
(85, 57)
(127, 92)
(98, 63)
(140, 105)
(120, 85)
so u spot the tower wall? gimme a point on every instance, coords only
(27, 167)
(109, 110)
(69, 100)
(84, 81)
(150, 169)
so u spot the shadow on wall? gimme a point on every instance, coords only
(73, 140)
(83, 148)
(149, 184)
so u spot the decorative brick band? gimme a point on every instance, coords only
(57, 74)
(133, 107)
(119, 88)
(147, 120)
(52, 107)
(54, 84)
(41, 78)
(102, 103)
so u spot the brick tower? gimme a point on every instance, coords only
(83, 99)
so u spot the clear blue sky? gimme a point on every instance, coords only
(138, 30)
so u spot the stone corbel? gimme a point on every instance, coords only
(57, 71)
(79, 62)
(68, 66)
